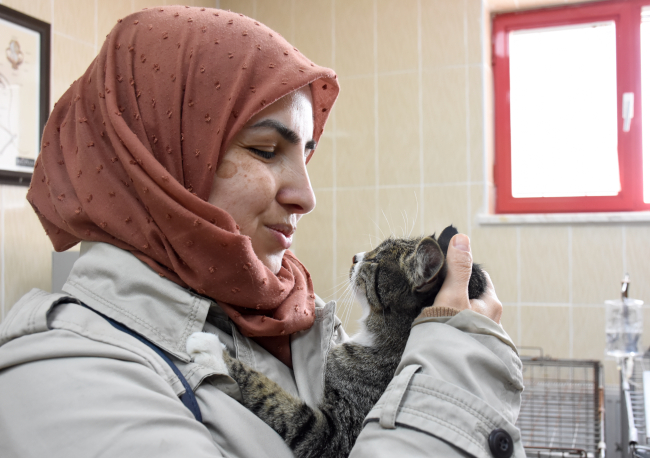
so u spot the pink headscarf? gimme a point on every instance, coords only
(130, 152)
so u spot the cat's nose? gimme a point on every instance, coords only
(357, 258)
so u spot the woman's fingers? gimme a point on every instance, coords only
(488, 304)
(459, 268)
(454, 289)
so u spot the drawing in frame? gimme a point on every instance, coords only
(24, 93)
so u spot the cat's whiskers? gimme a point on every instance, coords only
(390, 229)
(339, 288)
(348, 301)
(404, 217)
(341, 304)
(382, 232)
(417, 209)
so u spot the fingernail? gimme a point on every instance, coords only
(461, 242)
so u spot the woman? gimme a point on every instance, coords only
(179, 160)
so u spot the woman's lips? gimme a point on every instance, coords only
(283, 234)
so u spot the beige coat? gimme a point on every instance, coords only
(71, 385)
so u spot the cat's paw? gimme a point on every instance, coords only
(207, 350)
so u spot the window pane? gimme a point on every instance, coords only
(563, 111)
(645, 101)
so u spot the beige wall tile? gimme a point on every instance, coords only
(579, 1)
(355, 132)
(476, 116)
(612, 376)
(27, 250)
(203, 3)
(399, 153)
(397, 35)
(531, 4)
(495, 249)
(488, 113)
(637, 255)
(140, 4)
(497, 6)
(544, 264)
(246, 7)
(277, 15)
(487, 38)
(589, 332)
(477, 204)
(354, 37)
(355, 224)
(443, 33)
(355, 216)
(399, 213)
(547, 327)
(75, 19)
(315, 243)
(321, 165)
(70, 59)
(510, 322)
(314, 19)
(445, 205)
(108, 12)
(40, 9)
(444, 126)
(597, 263)
(491, 197)
(475, 32)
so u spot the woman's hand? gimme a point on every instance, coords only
(454, 289)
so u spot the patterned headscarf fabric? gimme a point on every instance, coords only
(130, 152)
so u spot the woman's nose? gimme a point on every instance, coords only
(296, 191)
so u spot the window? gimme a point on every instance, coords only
(568, 105)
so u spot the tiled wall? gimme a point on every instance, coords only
(407, 148)
(78, 31)
(498, 6)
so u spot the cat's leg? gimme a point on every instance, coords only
(303, 428)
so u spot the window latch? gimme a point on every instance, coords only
(628, 110)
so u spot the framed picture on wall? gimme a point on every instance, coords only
(24, 93)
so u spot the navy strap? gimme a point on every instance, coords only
(188, 398)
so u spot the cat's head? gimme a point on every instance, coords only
(401, 276)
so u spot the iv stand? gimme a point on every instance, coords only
(627, 367)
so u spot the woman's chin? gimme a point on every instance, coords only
(273, 261)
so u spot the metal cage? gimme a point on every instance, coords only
(562, 408)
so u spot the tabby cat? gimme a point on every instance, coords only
(394, 282)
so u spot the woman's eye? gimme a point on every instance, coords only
(263, 154)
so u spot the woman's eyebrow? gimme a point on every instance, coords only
(286, 133)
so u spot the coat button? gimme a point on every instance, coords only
(501, 444)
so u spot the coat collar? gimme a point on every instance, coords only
(114, 282)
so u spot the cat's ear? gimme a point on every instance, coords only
(425, 264)
(445, 238)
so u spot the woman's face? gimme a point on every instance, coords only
(262, 180)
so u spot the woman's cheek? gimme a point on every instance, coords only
(227, 169)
